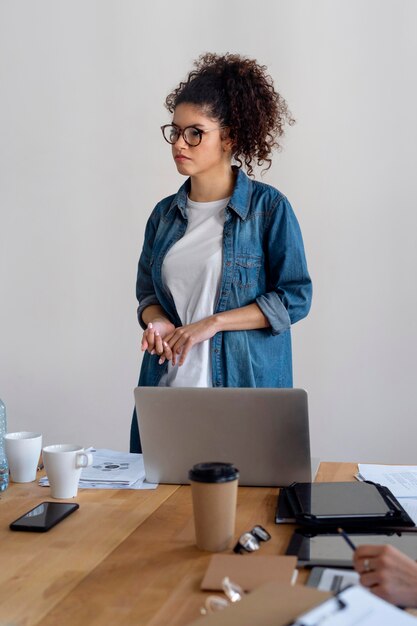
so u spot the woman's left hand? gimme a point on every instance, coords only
(185, 337)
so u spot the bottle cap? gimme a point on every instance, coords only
(213, 473)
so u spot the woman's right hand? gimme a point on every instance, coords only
(388, 573)
(153, 337)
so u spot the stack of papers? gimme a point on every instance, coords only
(401, 480)
(112, 470)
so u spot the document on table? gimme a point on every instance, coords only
(410, 506)
(112, 470)
(400, 479)
(356, 606)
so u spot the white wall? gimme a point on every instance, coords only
(82, 163)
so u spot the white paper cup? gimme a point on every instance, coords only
(63, 464)
(22, 452)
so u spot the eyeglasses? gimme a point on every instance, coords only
(251, 541)
(191, 135)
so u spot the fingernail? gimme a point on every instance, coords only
(165, 344)
(153, 352)
(160, 361)
(156, 334)
(150, 325)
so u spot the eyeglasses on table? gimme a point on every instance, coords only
(251, 540)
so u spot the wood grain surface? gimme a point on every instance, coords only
(126, 557)
(38, 570)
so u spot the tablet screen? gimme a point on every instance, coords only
(332, 550)
(341, 499)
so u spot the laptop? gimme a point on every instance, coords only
(263, 432)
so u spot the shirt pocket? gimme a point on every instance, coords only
(247, 267)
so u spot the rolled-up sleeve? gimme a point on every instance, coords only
(289, 294)
(145, 292)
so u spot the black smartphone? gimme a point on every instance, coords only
(44, 516)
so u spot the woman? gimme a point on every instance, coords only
(222, 274)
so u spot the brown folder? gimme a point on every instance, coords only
(248, 571)
(273, 604)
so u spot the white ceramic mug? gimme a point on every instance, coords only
(22, 451)
(63, 464)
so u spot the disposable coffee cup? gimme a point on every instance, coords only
(214, 495)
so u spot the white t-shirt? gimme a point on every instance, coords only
(191, 272)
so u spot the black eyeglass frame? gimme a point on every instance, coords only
(181, 133)
(251, 540)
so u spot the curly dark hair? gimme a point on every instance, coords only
(240, 94)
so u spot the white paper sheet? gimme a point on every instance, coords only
(400, 479)
(112, 470)
(110, 466)
(359, 607)
(410, 506)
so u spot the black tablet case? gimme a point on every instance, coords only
(290, 509)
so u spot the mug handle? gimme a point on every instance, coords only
(84, 459)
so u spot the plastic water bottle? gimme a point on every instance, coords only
(4, 466)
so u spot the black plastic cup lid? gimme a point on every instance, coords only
(213, 473)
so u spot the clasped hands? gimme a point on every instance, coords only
(173, 344)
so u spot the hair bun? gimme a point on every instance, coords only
(239, 93)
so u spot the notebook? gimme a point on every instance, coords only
(249, 573)
(263, 432)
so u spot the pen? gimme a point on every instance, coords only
(346, 538)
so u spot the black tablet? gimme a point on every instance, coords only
(363, 505)
(331, 550)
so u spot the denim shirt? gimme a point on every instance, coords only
(263, 262)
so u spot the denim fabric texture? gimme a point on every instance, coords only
(263, 262)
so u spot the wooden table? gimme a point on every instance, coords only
(125, 558)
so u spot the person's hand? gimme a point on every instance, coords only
(183, 338)
(388, 573)
(153, 337)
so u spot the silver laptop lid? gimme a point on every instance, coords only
(263, 432)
